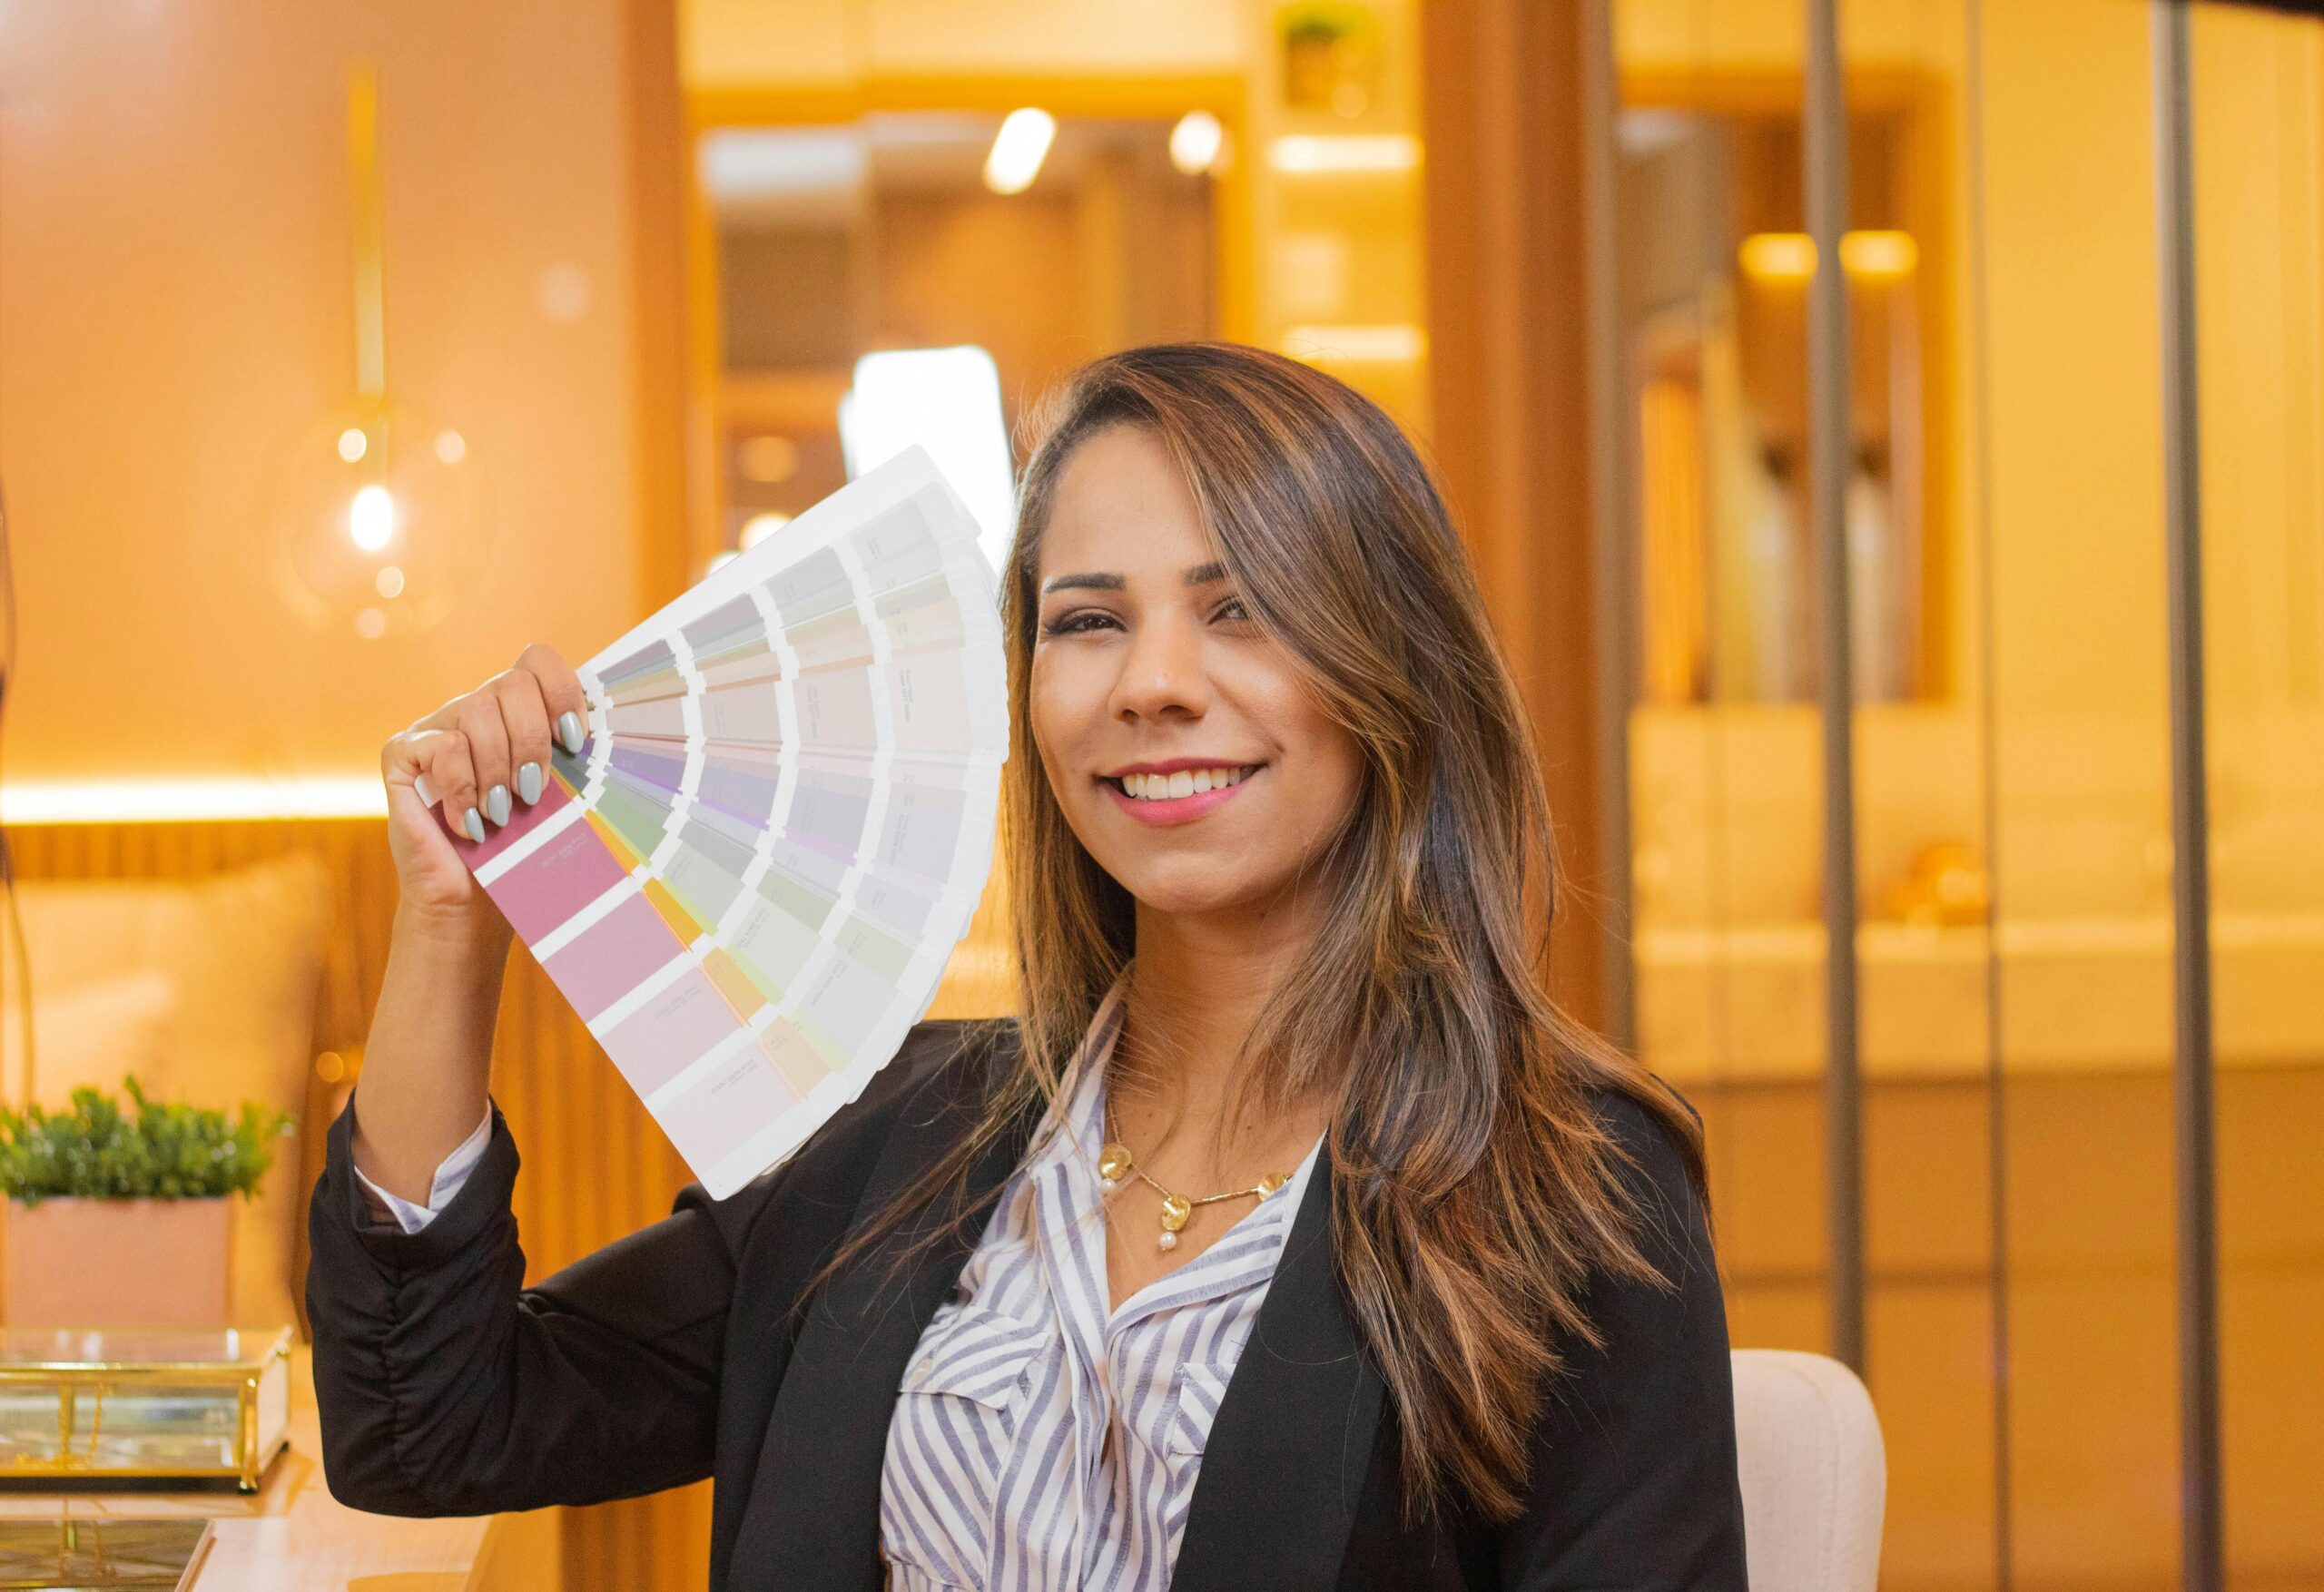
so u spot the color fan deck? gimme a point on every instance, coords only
(749, 881)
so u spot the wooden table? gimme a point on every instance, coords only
(292, 1536)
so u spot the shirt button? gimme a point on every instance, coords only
(919, 1376)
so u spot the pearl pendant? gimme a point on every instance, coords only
(1110, 1184)
(1167, 1240)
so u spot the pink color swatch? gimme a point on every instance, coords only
(676, 1026)
(613, 955)
(564, 876)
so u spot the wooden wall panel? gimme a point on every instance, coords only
(1503, 101)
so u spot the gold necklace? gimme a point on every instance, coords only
(1114, 1160)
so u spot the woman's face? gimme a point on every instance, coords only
(1181, 741)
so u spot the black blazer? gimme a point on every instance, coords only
(448, 1388)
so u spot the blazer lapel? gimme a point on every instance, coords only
(1285, 1466)
(813, 1520)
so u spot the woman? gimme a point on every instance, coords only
(1291, 1238)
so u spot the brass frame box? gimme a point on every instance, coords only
(88, 1407)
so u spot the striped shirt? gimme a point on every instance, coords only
(1043, 1441)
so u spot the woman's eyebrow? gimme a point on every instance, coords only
(1201, 574)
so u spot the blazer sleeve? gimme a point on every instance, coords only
(446, 1387)
(1634, 1482)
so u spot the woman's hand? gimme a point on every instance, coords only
(473, 760)
(452, 779)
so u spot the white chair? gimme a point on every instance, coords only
(1815, 1475)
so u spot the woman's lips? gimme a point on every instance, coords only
(1177, 809)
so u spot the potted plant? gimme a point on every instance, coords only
(117, 1220)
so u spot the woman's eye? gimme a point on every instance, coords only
(1080, 619)
(1233, 609)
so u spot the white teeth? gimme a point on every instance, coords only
(1185, 783)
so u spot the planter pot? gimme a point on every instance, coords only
(118, 1264)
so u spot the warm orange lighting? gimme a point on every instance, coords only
(768, 459)
(1790, 257)
(1778, 257)
(162, 800)
(451, 446)
(371, 517)
(1018, 149)
(1879, 253)
(353, 444)
(1312, 154)
(1196, 142)
(1369, 345)
(390, 581)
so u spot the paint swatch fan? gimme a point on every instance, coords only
(749, 879)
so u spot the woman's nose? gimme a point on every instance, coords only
(1162, 672)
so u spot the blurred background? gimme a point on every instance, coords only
(1890, 432)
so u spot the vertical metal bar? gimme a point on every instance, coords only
(1989, 731)
(2202, 1541)
(1613, 542)
(1824, 157)
(370, 228)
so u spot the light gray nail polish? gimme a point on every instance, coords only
(495, 804)
(568, 730)
(473, 821)
(528, 783)
(420, 788)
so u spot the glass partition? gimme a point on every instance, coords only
(2257, 115)
(2010, 793)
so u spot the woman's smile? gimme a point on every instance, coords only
(1177, 793)
(1156, 697)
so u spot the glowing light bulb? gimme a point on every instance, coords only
(1018, 149)
(371, 517)
(1195, 142)
(403, 531)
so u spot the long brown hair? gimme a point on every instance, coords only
(1467, 1214)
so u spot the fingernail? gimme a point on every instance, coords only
(473, 821)
(495, 804)
(420, 788)
(568, 730)
(528, 783)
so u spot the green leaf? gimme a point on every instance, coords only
(169, 1150)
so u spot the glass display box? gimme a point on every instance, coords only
(101, 1555)
(89, 1407)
